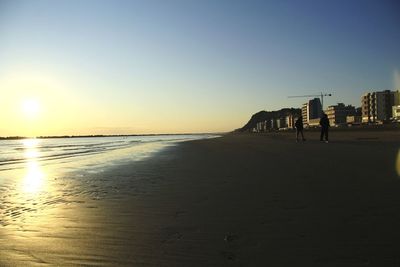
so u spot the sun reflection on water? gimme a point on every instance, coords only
(30, 143)
(31, 154)
(34, 178)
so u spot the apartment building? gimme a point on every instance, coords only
(311, 110)
(290, 121)
(281, 123)
(378, 106)
(396, 113)
(337, 113)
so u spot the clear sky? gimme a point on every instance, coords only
(118, 67)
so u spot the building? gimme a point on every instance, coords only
(396, 106)
(273, 124)
(396, 113)
(358, 111)
(262, 126)
(314, 122)
(290, 121)
(396, 97)
(281, 123)
(353, 119)
(304, 112)
(311, 110)
(337, 113)
(259, 126)
(378, 106)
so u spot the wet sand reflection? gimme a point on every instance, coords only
(34, 178)
(37, 211)
(26, 191)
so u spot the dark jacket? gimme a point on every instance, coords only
(324, 122)
(299, 124)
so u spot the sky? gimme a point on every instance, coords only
(178, 66)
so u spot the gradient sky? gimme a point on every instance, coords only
(118, 67)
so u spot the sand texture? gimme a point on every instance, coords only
(238, 200)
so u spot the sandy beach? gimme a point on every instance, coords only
(238, 200)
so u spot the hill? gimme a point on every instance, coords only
(268, 115)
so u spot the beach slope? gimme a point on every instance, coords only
(238, 200)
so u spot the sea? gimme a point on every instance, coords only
(37, 175)
(85, 152)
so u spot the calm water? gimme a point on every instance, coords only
(37, 175)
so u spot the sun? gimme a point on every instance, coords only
(30, 108)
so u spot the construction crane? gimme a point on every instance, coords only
(320, 96)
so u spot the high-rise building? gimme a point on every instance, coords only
(311, 110)
(378, 106)
(337, 113)
(304, 111)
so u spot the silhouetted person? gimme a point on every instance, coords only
(324, 122)
(299, 129)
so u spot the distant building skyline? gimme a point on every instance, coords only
(376, 107)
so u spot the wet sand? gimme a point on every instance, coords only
(239, 200)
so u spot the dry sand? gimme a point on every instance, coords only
(239, 200)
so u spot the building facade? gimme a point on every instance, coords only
(378, 106)
(396, 113)
(290, 121)
(337, 113)
(281, 123)
(263, 126)
(353, 120)
(304, 111)
(311, 110)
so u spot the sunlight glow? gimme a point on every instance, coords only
(30, 108)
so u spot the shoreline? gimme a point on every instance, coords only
(99, 135)
(238, 200)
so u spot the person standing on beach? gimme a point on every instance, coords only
(299, 129)
(324, 122)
